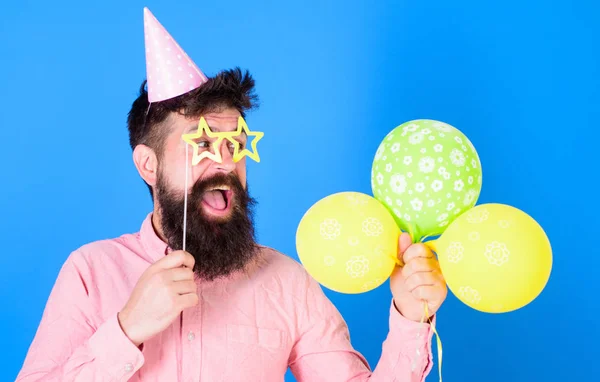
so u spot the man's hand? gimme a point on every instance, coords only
(165, 289)
(418, 280)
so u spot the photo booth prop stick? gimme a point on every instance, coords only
(257, 136)
(202, 136)
(205, 136)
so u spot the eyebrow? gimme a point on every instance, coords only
(191, 129)
(194, 128)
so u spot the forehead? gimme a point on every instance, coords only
(225, 120)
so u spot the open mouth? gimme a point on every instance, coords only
(217, 200)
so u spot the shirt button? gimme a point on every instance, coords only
(191, 336)
(128, 367)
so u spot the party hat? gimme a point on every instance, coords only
(170, 72)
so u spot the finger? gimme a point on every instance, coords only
(185, 287)
(416, 250)
(419, 264)
(187, 300)
(176, 259)
(420, 279)
(428, 293)
(404, 242)
(188, 260)
(180, 273)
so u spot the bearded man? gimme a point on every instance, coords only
(192, 296)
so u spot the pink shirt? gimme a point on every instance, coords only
(250, 327)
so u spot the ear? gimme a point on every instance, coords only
(146, 162)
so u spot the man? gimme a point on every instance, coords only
(139, 308)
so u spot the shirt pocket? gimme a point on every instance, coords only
(256, 354)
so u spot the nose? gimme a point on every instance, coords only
(227, 164)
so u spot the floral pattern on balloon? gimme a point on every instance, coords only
(348, 242)
(426, 173)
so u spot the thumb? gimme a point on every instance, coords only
(176, 259)
(404, 242)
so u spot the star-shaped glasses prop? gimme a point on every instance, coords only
(204, 135)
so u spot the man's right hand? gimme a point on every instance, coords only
(165, 289)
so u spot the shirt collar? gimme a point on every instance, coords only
(153, 244)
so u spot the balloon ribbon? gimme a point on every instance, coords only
(426, 312)
(429, 244)
(437, 337)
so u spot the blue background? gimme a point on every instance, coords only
(520, 79)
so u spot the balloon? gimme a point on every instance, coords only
(495, 258)
(426, 173)
(348, 242)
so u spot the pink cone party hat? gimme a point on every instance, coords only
(169, 70)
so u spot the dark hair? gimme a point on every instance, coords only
(229, 88)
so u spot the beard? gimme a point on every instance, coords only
(220, 246)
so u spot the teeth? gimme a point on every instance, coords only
(222, 188)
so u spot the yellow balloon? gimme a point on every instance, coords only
(348, 242)
(495, 258)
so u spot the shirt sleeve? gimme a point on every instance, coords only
(68, 346)
(323, 351)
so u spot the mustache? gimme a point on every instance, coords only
(231, 180)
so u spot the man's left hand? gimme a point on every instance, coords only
(418, 280)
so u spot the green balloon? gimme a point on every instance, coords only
(426, 173)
